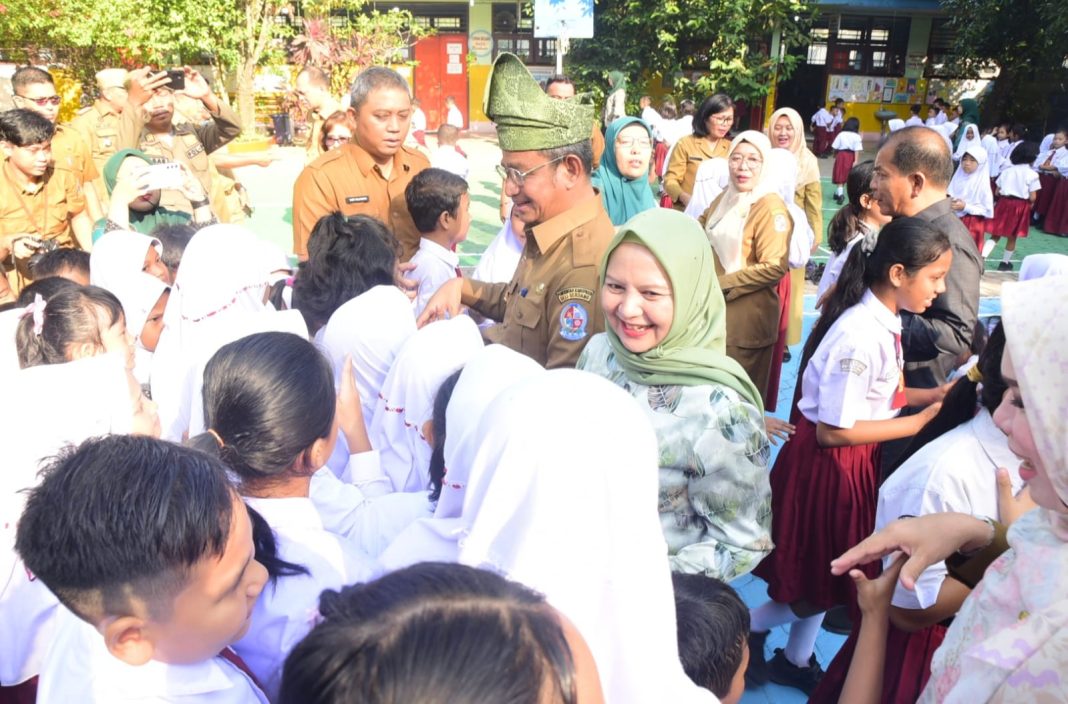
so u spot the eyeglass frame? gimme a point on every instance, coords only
(722, 120)
(53, 100)
(632, 142)
(337, 140)
(507, 173)
(747, 161)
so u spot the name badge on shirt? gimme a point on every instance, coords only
(352, 200)
(193, 151)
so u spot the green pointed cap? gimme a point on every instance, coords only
(528, 119)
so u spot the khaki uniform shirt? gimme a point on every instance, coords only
(71, 153)
(43, 212)
(686, 157)
(348, 181)
(190, 144)
(99, 127)
(550, 308)
(597, 142)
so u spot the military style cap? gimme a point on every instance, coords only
(111, 78)
(528, 119)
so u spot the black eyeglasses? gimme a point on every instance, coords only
(41, 102)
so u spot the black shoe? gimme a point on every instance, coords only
(756, 675)
(1005, 266)
(786, 356)
(782, 671)
(837, 620)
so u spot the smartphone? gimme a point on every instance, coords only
(164, 176)
(177, 77)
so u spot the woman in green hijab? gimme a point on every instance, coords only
(969, 114)
(623, 176)
(664, 343)
(135, 206)
(615, 105)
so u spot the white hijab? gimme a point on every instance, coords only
(726, 223)
(709, 182)
(138, 292)
(487, 375)
(966, 142)
(406, 401)
(572, 513)
(1036, 266)
(499, 261)
(974, 188)
(117, 255)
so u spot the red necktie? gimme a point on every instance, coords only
(235, 660)
(459, 274)
(899, 400)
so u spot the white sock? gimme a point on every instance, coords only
(802, 641)
(988, 247)
(1007, 255)
(771, 614)
(838, 191)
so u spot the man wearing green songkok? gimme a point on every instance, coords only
(549, 309)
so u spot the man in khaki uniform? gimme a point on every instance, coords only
(147, 124)
(550, 308)
(35, 90)
(98, 124)
(313, 87)
(368, 175)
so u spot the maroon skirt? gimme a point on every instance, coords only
(25, 693)
(976, 225)
(1012, 217)
(843, 162)
(1057, 216)
(821, 142)
(822, 503)
(777, 352)
(908, 665)
(1044, 198)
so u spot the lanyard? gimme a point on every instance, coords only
(42, 230)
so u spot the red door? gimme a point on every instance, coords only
(440, 72)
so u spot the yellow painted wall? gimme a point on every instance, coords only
(477, 77)
(865, 112)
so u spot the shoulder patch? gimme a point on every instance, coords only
(852, 366)
(574, 320)
(782, 223)
(574, 293)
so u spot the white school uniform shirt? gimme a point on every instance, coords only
(455, 118)
(499, 261)
(449, 159)
(914, 121)
(955, 472)
(80, 669)
(835, 262)
(993, 154)
(434, 265)
(848, 141)
(940, 118)
(822, 118)
(418, 120)
(855, 371)
(1018, 181)
(836, 119)
(287, 609)
(1060, 160)
(653, 119)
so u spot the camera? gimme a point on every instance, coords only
(41, 247)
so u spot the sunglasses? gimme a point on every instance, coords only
(41, 102)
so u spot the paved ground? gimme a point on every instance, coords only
(271, 190)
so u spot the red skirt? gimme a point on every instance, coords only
(908, 665)
(822, 503)
(1012, 217)
(843, 162)
(775, 374)
(976, 225)
(1057, 216)
(25, 693)
(1049, 184)
(822, 140)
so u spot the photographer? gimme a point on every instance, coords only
(136, 188)
(38, 204)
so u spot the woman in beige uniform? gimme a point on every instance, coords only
(749, 229)
(709, 140)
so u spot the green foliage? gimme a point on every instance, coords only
(726, 42)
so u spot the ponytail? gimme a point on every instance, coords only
(437, 456)
(50, 329)
(847, 221)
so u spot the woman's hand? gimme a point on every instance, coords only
(778, 429)
(132, 186)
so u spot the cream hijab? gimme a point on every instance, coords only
(573, 514)
(808, 167)
(725, 223)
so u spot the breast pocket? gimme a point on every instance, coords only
(106, 143)
(528, 312)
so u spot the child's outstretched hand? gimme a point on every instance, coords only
(873, 595)
(350, 412)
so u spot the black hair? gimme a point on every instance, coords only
(851, 125)
(558, 78)
(59, 260)
(713, 625)
(910, 242)
(372, 79)
(448, 134)
(28, 76)
(266, 547)
(687, 107)
(1024, 153)
(583, 150)
(346, 257)
(437, 456)
(915, 109)
(912, 150)
(174, 239)
(1019, 130)
(72, 317)
(432, 633)
(847, 221)
(123, 516)
(958, 405)
(25, 128)
(433, 192)
(267, 398)
(709, 107)
(45, 288)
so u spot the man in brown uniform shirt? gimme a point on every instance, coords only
(550, 308)
(367, 176)
(313, 87)
(98, 124)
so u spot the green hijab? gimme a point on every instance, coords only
(623, 197)
(695, 349)
(969, 112)
(143, 222)
(617, 80)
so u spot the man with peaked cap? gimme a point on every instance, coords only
(550, 308)
(99, 124)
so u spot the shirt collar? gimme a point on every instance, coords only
(17, 184)
(881, 313)
(935, 210)
(443, 253)
(103, 108)
(366, 163)
(547, 233)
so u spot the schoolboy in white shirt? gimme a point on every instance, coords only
(448, 155)
(440, 207)
(152, 551)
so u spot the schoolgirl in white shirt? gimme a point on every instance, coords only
(970, 194)
(824, 481)
(849, 225)
(1052, 168)
(1017, 190)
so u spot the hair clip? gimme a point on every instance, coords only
(974, 375)
(37, 310)
(218, 438)
(867, 245)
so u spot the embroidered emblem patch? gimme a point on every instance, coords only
(782, 224)
(573, 322)
(852, 366)
(575, 293)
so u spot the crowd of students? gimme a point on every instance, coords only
(229, 480)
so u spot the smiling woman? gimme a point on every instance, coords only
(622, 177)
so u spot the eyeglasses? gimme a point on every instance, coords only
(726, 120)
(631, 142)
(518, 177)
(337, 140)
(751, 163)
(41, 102)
